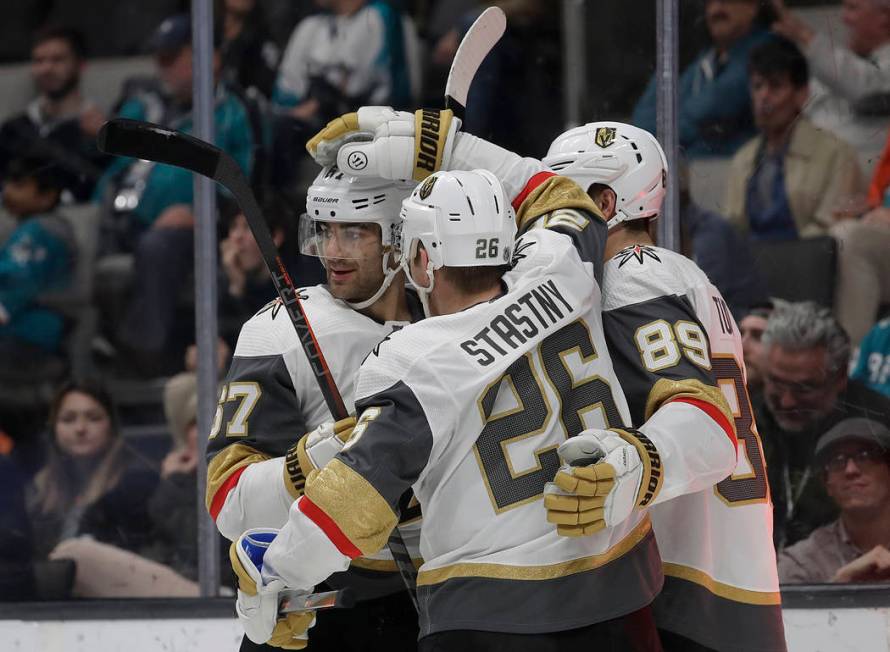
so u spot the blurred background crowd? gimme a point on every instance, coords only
(785, 203)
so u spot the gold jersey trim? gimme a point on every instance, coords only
(549, 572)
(382, 565)
(665, 390)
(734, 593)
(554, 194)
(360, 512)
(225, 463)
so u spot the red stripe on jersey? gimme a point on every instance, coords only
(533, 183)
(329, 527)
(219, 498)
(714, 412)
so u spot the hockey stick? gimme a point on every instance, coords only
(152, 142)
(155, 143)
(479, 40)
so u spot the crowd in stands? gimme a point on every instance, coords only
(800, 119)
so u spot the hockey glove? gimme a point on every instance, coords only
(313, 451)
(605, 475)
(380, 142)
(257, 604)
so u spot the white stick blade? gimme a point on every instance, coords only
(482, 36)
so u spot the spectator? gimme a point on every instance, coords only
(91, 484)
(853, 462)
(249, 55)
(806, 392)
(863, 263)
(60, 124)
(139, 192)
(851, 93)
(152, 201)
(872, 366)
(174, 506)
(751, 328)
(245, 285)
(709, 240)
(350, 55)
(167, 564)
(715, 106)
(37, 256)
(790, 180)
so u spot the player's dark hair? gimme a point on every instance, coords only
(71, 36)
(778, 58)
(471, 280)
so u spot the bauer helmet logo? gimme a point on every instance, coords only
(357, 161)
(426, 188)
(604, 136)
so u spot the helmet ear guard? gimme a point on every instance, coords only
(627, 159)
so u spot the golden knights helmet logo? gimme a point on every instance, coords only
(604, 136)
(426, 187)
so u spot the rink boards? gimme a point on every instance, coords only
(817, 619)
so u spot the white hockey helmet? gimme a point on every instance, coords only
(626, 158)
(337, 197)
(462, 219)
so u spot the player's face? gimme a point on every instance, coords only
(82, 427)
(55, 68)
(352, 255)
(729, 20)
(775, 101)
(752, 328)
(798, 388)
(857, 476)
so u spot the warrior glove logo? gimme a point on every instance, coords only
(431, 130)
(357, 160)
(604, 136)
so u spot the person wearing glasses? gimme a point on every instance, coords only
(806, 392)
(853, 463)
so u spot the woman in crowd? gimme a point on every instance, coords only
(91, 483)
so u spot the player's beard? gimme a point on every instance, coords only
(365, 279)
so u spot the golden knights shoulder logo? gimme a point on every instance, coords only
(604, 136)
(426, 187)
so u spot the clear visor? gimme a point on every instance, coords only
(339, 240)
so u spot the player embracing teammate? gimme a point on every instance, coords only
(508, 385)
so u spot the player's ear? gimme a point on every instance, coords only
(608, 201)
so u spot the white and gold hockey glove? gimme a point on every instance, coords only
(380, 142)
(606, 474)
(257, 605)
(313, 451)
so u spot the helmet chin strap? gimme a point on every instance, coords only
(423, 293)
(389, 273)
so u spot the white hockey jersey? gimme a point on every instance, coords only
(270, 398)
(469, 409)
(665, 320)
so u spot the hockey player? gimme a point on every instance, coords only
(667, 324)
(270, 398)
(468, 407)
